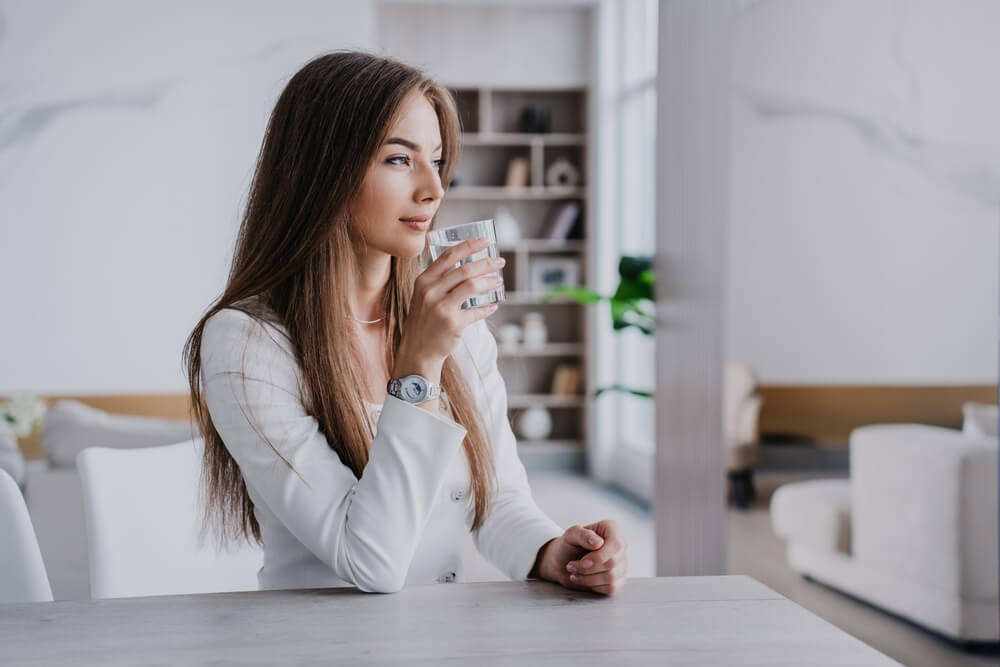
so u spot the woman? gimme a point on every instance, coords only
(325, 305)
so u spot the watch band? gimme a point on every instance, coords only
(414, 389)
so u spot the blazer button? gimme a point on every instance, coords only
(458, 494)
(446, 578)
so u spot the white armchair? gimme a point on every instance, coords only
(921, 506)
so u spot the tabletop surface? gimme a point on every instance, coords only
(725, 620)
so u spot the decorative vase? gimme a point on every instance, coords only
(509, 335)
(507, 227)
(562, 173)
(534, 424)
(534, 332)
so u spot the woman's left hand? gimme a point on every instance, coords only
(592, 558)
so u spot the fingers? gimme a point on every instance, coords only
(587, 565)
(472, 287)
(583, 537)
(467, 273)
(454, 255)
(599, 579)
(614, 541)
(602, 569)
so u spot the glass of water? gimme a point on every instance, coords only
(440, 240)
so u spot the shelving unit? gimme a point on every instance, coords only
(497, 192)
(547, 350)
(491, 137)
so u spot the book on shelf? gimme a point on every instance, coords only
(567, 380)
(563, 220)
(518, 173)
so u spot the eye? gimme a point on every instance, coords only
(440, 162)
(401, 160)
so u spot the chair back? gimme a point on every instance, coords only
(22, 570)
(144, 510)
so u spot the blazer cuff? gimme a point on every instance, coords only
(422, 424)
(533, 538)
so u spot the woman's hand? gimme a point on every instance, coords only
(590, 558)
(436, 320)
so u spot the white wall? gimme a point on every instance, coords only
(128, 134)
(501, 44)
(865, 191)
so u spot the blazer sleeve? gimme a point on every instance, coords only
(367, 530)
(516, 528)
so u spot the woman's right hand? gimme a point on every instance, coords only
(436, 320)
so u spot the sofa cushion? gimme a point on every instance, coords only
(816, 513)
(69, 427)
(979, 420)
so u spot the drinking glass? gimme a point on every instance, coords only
(440, 240)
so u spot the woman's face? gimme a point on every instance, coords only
(401, 190)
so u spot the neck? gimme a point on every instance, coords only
(366, 296)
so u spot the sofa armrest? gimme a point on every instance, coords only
(923, 505)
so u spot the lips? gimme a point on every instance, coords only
(418, 222)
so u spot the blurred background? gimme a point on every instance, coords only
(853, 280)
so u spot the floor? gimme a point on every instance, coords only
(754, 550)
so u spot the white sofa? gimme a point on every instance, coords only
(913, 531)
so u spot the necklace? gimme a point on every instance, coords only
(351, 317)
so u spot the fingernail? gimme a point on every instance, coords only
(500, 261)
(571, 567)
(574, 578)
(587, 563)
(594, 540)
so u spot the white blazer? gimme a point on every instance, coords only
(404, 520)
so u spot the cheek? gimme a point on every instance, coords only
(365, 209)
(381, 198)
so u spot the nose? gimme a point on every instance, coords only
(428, 187)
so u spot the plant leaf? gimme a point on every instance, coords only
(630, 267)
(572, 292)
(625, 390)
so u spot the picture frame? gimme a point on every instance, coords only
(548, 272)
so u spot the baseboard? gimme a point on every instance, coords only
(803, 457)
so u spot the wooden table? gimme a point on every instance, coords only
(732, 620)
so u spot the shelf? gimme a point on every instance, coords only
(531, 299)
(499, 192)
(543, 401)
(545, 245)
(547, 350)
(520, 139)
(551, 445)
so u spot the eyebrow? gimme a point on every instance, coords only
(407, 143)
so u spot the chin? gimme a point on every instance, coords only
(407, 248)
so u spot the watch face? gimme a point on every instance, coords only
(414, 388)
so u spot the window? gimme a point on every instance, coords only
(636, 147)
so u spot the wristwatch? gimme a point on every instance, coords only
(413, 389)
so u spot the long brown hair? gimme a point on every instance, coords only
(293, 253)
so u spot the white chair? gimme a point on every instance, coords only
(22, 571)
(143, 512)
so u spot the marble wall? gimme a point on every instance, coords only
(128, 135)
(865, 207)
(865, 210)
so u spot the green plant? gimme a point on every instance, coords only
(632, 304)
